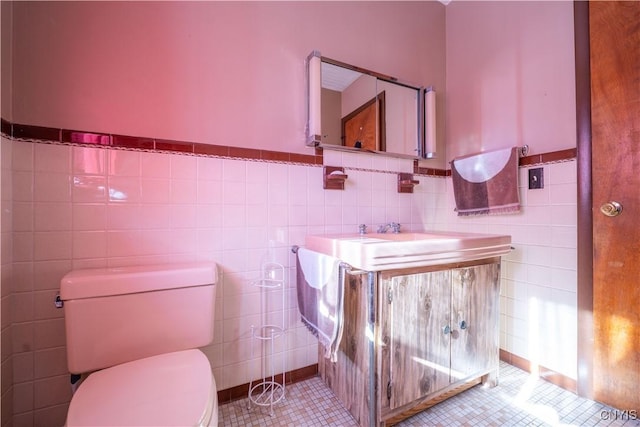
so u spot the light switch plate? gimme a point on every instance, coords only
(536, 178)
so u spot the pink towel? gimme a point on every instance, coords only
(486, 183)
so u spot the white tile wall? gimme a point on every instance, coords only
(76, 207)
(8, 278)
(539, 277)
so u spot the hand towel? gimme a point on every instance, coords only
(486, 183)
(320, 289)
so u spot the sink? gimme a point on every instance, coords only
(384, 251)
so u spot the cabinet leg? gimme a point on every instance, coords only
(490, 379)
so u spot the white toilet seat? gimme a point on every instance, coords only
(173, 389)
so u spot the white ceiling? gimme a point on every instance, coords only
(337, 78)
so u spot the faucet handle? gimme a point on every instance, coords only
(362, 228)
(396, 227)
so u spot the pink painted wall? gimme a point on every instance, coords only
(5, 59)
(229, 73)
(510, 76)
(137, 68)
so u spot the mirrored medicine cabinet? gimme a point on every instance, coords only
(353, 109)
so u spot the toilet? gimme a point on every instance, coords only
(136, 331)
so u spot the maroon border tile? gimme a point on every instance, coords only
(556, 156)
(211, 150)
(432, 171)
(553, 156)
(81, 137)
(275, 155)
(175, 146)
(5, 127)
(304, 158)
(245, 153)
(125, 141)
(35, 132)
(137, 142)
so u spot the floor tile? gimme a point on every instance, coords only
(520, 399)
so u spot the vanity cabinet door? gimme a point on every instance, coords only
(475, 314)
(415, 309)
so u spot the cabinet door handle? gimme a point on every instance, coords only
(446, 330)
(463, 324)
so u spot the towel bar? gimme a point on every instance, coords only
(523, 151)
(343, 265)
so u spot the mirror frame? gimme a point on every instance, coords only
(313, 130)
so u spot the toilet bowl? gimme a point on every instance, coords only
(137, 330)
(173, 389)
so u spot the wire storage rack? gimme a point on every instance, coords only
(269, 390)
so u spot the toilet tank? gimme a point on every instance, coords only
(116, 315)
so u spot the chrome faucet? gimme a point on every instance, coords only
(393, 225)
(362, 228)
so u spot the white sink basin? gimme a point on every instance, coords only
(384, 251)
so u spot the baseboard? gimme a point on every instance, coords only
(241, 391)
(297, 375)
(553, 377)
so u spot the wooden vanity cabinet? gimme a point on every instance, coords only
(475, 322)
(436, 334)
(415, 309)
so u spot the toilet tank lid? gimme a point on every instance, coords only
(100, 282)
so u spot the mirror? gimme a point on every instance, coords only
(354, 109)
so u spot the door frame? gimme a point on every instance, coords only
(585, 197)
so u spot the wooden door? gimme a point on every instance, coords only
(475, 315)
(365, 127)
(416, 310)
(615, 126)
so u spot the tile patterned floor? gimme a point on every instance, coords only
(519, 400)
